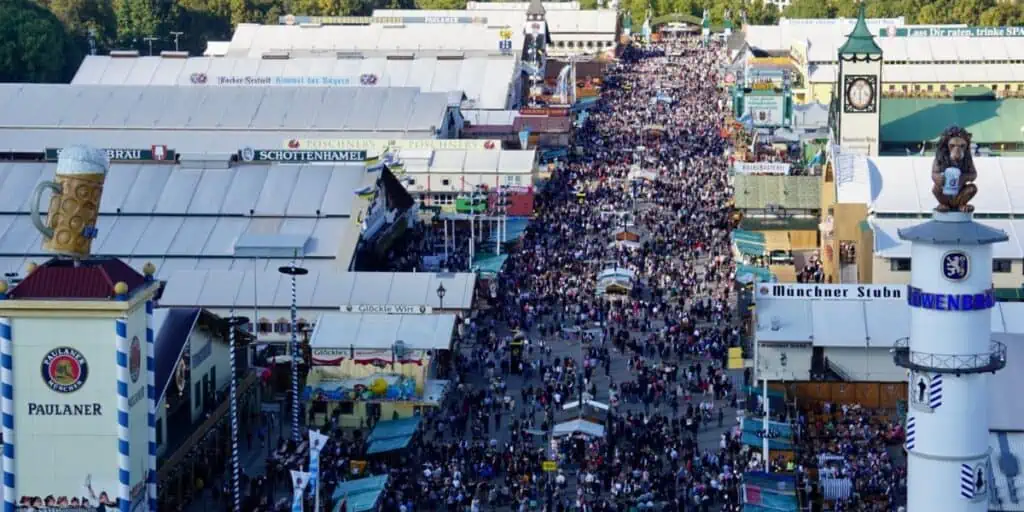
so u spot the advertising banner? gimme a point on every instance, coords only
(281, 81)
(780, 168)
(387, 309)
(832, 291)
(300, 156)
(765, 110)
(380, 20)
(378, 146)
(153, 153)
(953, 31)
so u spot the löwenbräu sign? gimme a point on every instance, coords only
(153, 154)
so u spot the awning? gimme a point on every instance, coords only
(513, 230)
(750, 248)
(489, 264)
(392, 435)
(579, 426)
(751, 274)
(359, 495)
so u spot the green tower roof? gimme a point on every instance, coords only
(860, 41)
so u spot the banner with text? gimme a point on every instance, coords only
(300, 156)
(780, 168)
(378, 146)
(952, 32)
(832, 291)
(153, 154)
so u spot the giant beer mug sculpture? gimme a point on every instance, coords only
(70, 223)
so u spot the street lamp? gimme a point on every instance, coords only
(293, 271)
(440, 295)
(233, 323)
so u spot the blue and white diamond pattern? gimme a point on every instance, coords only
(935, 391)
(911, 432)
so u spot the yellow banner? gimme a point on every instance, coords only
(378, 146)
(770, 61)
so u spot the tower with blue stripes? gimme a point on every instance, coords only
(77, 384)
(949, 355)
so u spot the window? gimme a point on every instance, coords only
(445, 182)
(346, 408)
(905, 88)
(899, 264)
(917, 87)
(213, 376)
(199, 395)
(931, 87)
(1002, 266)
(412, 181)
(892, 88)
(942, 87)
(159, 431)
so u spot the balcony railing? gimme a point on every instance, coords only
(990, 361)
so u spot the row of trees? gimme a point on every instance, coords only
(44, 40)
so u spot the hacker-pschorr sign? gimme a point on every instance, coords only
(831, 291)
(300, 156)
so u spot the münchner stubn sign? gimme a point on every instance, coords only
(832, 291)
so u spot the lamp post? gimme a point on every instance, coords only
(293, 271)
(440, 295)
(233, 323)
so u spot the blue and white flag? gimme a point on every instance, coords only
(524, 137)
(300, 479)
(316, 443)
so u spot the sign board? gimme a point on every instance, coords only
(276, 81)
(380, 20)
(378, 146)
(765, 110)
(153, 154)
(780, 168)
(301, 156)
(553, 112)
(549, 466)
(770, 61)
(952, 32)
(387, 309)
(832, 291)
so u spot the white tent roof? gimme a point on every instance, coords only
(375, 331)
(889, 245)
(318, 289)
(902, 185)
(854, 323)
(581, 426)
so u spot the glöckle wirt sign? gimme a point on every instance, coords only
(387, 309)
(831, 291)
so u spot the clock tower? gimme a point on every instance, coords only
(858, 91)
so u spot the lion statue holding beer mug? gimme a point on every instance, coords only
(953, 171)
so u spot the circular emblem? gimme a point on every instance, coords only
(248, 154)
(368, 79)
(489, 144)
(198, 78)
(64, 370)
(764, 290)
(289, 19)
(956, 266)
(135, 359)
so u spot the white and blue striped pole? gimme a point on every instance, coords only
(123, 435)
(7, 409)
(293, 271)
(236, 468)
(151, 394)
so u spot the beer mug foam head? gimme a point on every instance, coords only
(82, 160)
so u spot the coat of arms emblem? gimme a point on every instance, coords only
(955, 265)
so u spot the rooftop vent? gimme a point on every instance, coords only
(122, 54)
(167, 54)
(275, 55)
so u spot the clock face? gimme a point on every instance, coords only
(860, 93)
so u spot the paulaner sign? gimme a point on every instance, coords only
(38, 409)
(918, 298)
(301, 156)
(831, 291)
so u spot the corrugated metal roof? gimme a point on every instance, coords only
(321, 288)
(790, 192)
(913, 120)
(331, 109)
(377, 331)
(902, 185)
(484, 80)
(250, 40)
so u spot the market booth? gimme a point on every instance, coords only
(369, 367)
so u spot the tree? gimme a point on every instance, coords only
(34, 45)
(808, 9)
(86, 18)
